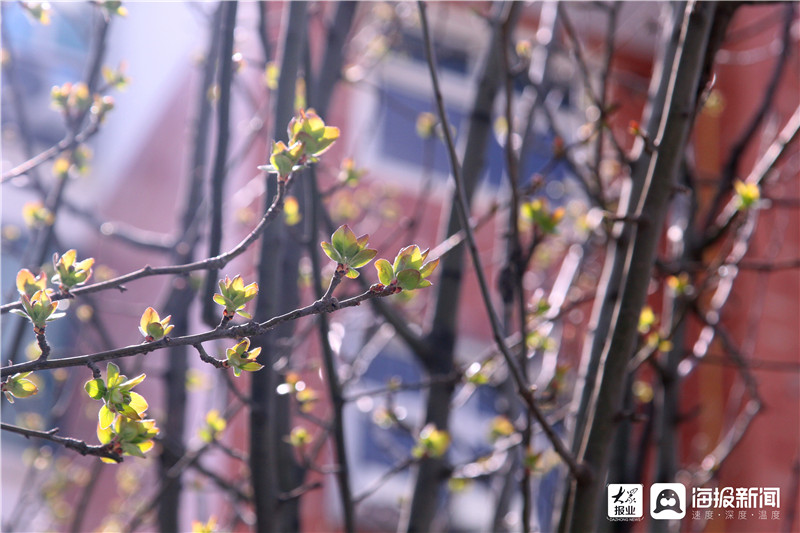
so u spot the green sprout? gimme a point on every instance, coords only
(299, 437)
(747, 195)
(29, 285)
(284, 159)
(215, 425)
(408, 271)
(538, 212)
(113, 7)
(36, 215)
(239, 358)
(234, 295)
(349, 174)
(152, 326)
(117, 396)
(308, 138)
(432, 442)
(501, 427)
(348, 251)
(310, 130)
(70, 273)
(128, 437)
(39, 309)
(18, 386)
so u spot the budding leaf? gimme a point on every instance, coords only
(385, 271)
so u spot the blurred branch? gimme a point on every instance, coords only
(139, 238)
(737, 150)
(617, 342)
(760, 171)
(211, 262)
(510, 280)
(187, 460)
(713, 461)
(386, 476)
(67, 143)
(79, 513)
(35, 254)
(577, 470)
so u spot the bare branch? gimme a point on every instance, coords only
(73, 444)
(211, 262)
(576, 469)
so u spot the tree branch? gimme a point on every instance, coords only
(211, 262)
(576, 469)
(244, 330)
(73, 444)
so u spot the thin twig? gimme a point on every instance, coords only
(378, 483)
(757, 175)
(218, 363)
(67, 143)
(73, 444)
(577, 470)
(212, 262)
(241, 331)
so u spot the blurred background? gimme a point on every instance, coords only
(714, 398)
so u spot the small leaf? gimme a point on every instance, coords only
(408, 279)
(95, 388)
(148, 317)
(331, 252)
(138, 403)
(105, 417)
(104, 434)
(403, 258)
(132, 449)
(344, 241)
(385, 272)
(428, 268)
(352, 273)
(112, 374)
(362, 258)
(129, 412)
(131, 383)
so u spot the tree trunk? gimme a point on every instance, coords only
(639, 251)
(182, 293)
(272, 465)
(441, 340)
